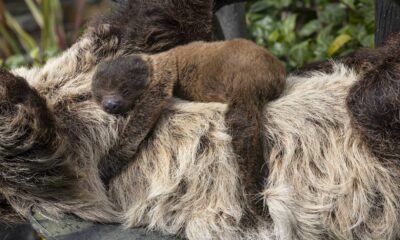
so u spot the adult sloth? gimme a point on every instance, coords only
(325, 181)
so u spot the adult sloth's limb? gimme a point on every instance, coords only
(374, 104)
(32, 147)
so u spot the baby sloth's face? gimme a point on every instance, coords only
(118, 83)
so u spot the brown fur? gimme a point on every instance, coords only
(152, 26)
(237, 72)
(374, 103)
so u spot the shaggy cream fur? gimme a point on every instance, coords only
(324, 182)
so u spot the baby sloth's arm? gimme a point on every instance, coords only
(123, 86)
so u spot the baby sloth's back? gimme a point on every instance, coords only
(222, 71)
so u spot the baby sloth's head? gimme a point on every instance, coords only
(118, 83)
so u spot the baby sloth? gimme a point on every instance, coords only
(237, 72)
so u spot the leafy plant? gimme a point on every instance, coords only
(301, 32)
(298, 32)
(19, 47)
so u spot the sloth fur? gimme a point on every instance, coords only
(326, 180)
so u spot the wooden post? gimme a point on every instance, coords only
(387, 18)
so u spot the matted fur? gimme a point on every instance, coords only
(327, 182)
(324, 182)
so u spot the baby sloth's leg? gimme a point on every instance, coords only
(244, 121)
(258, 78)
(244, 75)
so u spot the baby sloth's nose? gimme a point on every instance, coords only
(111, 105)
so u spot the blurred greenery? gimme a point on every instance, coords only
(300, 32)
(20, 48)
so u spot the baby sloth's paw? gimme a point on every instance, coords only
(119, 83)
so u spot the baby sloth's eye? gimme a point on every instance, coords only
(125, 92)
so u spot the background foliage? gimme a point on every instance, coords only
(300, 32)
(18, 47)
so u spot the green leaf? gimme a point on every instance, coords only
(51, 52)
(349, 3)
(35, 54)
(45, 34)
(9, 39)
(300, 53)
(368, 41)
(333, 13)
(287, 28)
(51, 11)
(338, 43)
(37, 15)
(278, 4)
(25, 39)
(15, 61)
(279, 49)
(274, 36)
(310, 28)
(324, 37)
(258, 6)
